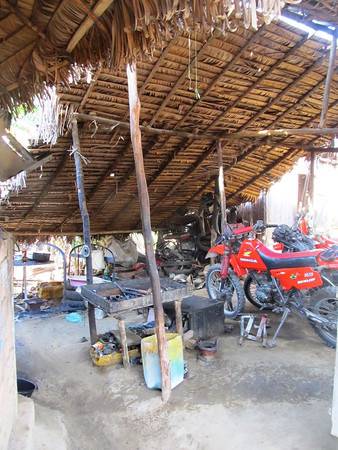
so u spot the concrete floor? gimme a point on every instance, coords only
(250, 397)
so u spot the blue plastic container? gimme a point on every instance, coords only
(151, 360)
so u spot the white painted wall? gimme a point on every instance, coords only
(8, 389)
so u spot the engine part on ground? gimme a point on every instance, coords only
(207, 350)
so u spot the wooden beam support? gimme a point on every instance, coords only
(281, 132)
(329, 76)
(221, 184)
(90, 89)
(85, 223)
(252, 148)
(135, 132)
(146, 129)
(100, 7)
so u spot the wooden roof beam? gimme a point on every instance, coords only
(227, 67)
(252, 148)
(180, 80)
(292, 50)
(25, 20)
(145, 129)
(45, 189)
(100, 7)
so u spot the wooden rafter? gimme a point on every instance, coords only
(90, 89)
(100, 7)
(276, 99)
(45, 189)
(180, 80)
(208, 150)
(228, 66)
(25, 20)
(252, 149)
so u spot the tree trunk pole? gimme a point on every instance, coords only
(85, 224)
(312, 180)
(221, 183)
(329, 75)
(135, 133)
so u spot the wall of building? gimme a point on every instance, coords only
(8, 390)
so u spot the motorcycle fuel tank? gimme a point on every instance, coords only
(297, 278)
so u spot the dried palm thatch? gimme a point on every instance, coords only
(245, 80)
(41, 41)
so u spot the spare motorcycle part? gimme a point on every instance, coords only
(248, 323)
(227, 289)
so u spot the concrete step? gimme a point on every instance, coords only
(22, 435)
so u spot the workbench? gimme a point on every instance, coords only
(96, 295)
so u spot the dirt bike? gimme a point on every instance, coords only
(284, 281)
(295, 239)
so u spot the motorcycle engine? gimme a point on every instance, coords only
(264, 293)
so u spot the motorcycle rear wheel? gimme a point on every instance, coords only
(229, 290)
(327, 308)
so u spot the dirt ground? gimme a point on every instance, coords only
(249, 397)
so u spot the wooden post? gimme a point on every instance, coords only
(178, 317)
(135, 133)
(312, 180)
(85, 224)
(221, 183)
(329, 75)
(124, 344)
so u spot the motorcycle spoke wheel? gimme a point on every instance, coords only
(229, 291)
(328, 309)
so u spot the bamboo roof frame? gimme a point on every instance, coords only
(172, 141)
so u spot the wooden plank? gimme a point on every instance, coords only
(135, 133)
(85, 224)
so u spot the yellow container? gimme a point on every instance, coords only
(51, 290)
(112, 358)
(151, 361)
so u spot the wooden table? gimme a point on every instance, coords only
(96, 295)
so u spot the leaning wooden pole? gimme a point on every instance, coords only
(135, 133)
(328, 81)
(85, 224)
(221, 183)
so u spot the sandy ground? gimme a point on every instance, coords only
(249, 397)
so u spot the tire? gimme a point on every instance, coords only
(249, 284)
(328, 308)
(227, 293)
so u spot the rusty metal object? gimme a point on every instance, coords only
(207, 350)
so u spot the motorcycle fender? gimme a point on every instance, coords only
(216, 251)
(297, 278)
(239, 271)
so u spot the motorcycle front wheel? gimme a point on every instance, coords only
(328, 309)
(229, 290)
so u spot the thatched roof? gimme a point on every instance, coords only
(245, 80)
(41, 39)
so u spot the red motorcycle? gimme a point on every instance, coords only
(284, 282)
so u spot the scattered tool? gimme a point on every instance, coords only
(248, 324)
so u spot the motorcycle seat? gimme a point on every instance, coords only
(275, 260)
(329, 254)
